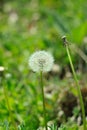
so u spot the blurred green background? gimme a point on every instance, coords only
(30, 25)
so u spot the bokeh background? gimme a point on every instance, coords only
(30, 25)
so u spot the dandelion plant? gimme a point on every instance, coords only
(76, 80)
(2, 69)
(41, 61)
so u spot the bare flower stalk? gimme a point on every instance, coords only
(76, 80)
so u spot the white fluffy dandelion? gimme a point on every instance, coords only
(41, 61)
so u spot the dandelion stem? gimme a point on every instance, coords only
(44, 110)
(78, 88)
(8, 106)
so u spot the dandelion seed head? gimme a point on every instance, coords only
(41, 61)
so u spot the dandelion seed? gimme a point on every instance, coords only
(41, 61)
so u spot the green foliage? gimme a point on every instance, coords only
(53, 127)
(66, 127)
